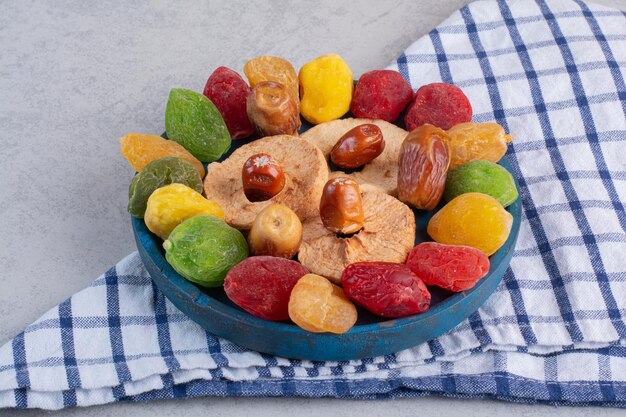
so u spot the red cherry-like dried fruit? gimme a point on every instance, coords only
(228, 91)
(386, 289)
(261, 285)
(439, 104)
(455, 268)
(381, 94)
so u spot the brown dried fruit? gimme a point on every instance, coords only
(272, 110)
(305, 171)
(341, 207)
(276, 231)
(388, 235)
(423, 167)
(262, 177)
(358, 146)
(382, 172)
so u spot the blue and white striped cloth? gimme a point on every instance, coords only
(552, 73)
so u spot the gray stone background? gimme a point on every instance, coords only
(77, 75)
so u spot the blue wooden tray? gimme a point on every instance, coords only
(371, 336)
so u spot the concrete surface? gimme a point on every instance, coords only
(75, 76)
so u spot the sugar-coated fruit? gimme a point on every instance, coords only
(140, 149)
(381, 94)
(472, 141)
(172, 204)
(325, 88)
(439, 104)
(192, 120)
(472, 219)
(317, 305)
(386, 289)
(481, 177)
(261, 285)
(452, 267)
(157, 174)
(204, 248)
(228, 91)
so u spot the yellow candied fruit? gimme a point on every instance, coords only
(171, 205)
(317, 305)
(140, 149)
(325, 89)
(471, 141)
(472, 219)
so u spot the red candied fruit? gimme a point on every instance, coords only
(386, 289)
(381, 94)
(452, 267)
(439, 104)
(261, 285)
(228, 91)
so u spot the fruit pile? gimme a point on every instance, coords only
(305, 227)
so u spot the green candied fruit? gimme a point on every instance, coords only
(192, 120)
(481, 177)
(204, 248)
(159, 173)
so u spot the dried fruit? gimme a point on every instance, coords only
(272, 110)
(481, 177)
(271, 68)
(141, 149)
(422, 167)
(157, 174)
(228, 91)
(318, 306)
(262, 177)
(472, 219)
(276, 231)
(471, 141)
(325, 88)
(386, 289)
(261, 285)
(381, 94)
(358, 146)
(381, 172)
(452, 267)
(192, 120)
(439, 104)
(306, 172)
(388, 235)
(171, 205)
(204, 248)
(341, 207)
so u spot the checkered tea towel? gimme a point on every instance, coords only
(551, 73)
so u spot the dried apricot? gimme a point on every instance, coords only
(272, 68)
(386, 289)
(318, 306)
(141, 149)
(261, 285)
(471, 141)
